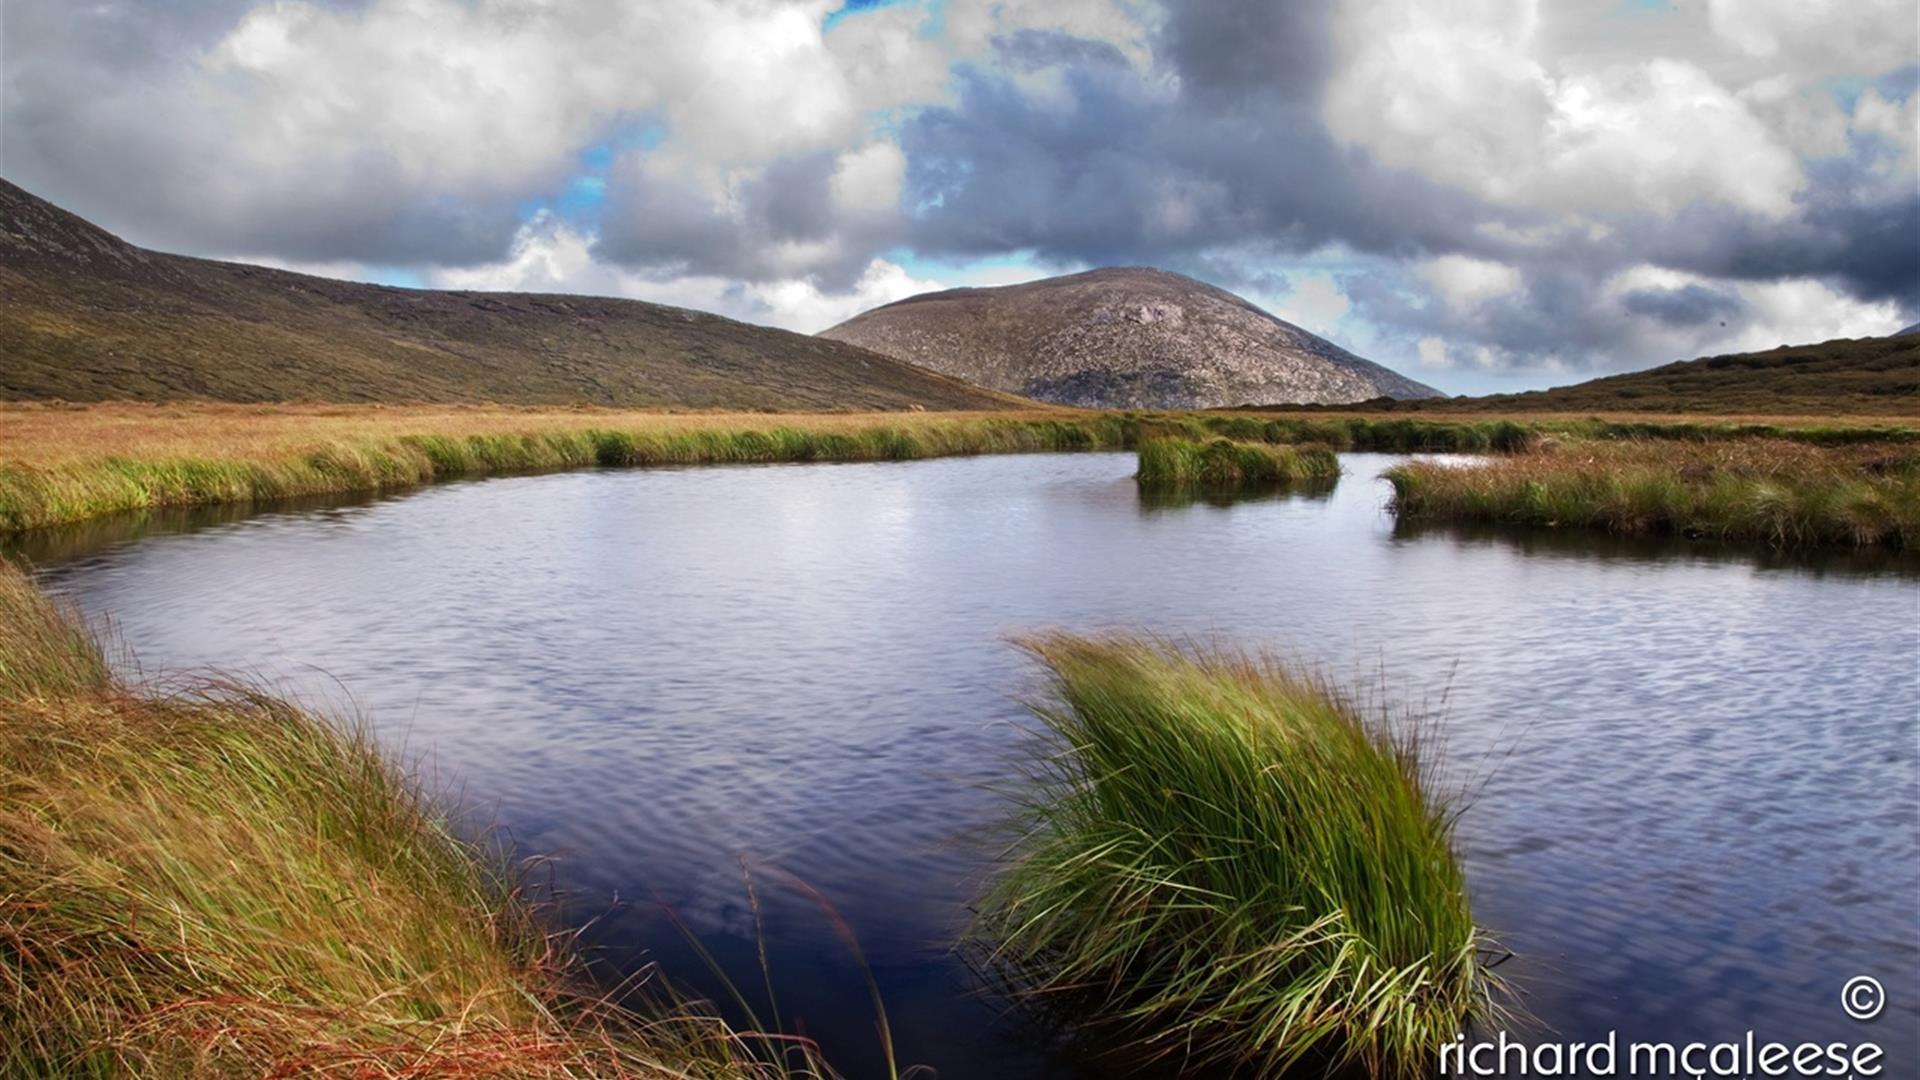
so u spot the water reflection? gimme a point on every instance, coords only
(67, 543)
(1873, 561)
(1155, 500)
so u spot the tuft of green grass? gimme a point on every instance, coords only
(216, 883)
(1172, 463)
(1786, 494)
(44, 652)
(1234, 866)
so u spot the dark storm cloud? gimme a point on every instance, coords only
(1559, 315)
(1130, 173)
(1032, 50)
(662, 225)
(793, 199)
(1231, 49)
(101, 118)
(1868, 240)
(1689, 305)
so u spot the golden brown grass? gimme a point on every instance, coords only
(216, 883)
(61, 465)
(47, 435)
(1784, 493)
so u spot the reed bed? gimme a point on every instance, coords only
(215, 883)
(1773, 491)
(1171, 463)
(1232, 865)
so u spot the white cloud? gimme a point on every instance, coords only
(1801, 310)
(552, 256)
(802, 305)
(1465, 282)
(1469, 95)
(1818, 37)
(1316, 303)
(1893, 121)
(868, 180)
(1659, 136)
(1795, 311)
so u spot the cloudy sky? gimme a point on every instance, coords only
(1485, 194)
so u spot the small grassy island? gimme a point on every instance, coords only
(1235, 866)
(1220, 464)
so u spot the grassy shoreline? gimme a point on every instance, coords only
(213, 882)
(81, 487)
(65, 464)
(1787, 495)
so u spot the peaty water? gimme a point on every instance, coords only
(1695, 797)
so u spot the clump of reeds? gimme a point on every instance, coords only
(1172, 463)
(218, 883)
(1788, 494)
(1233, 865)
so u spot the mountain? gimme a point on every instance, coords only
(1914, 329)
(1126, 337)
(1858, 376)
(85, 316)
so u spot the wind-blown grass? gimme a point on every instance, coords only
(1231, 863)
(1776, 492)
(217, 883)
(1170, 463)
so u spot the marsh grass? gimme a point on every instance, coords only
(217, 883)
(1172, 463)
(1782, 493)
(37, 495)
(1234, 866)
(61, 464)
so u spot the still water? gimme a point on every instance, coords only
(1695, 771)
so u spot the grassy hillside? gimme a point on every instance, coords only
(1848, 376)
(85, 316)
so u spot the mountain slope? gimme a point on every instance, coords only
(85, 316)
(1858, 376)
(1124, 337)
